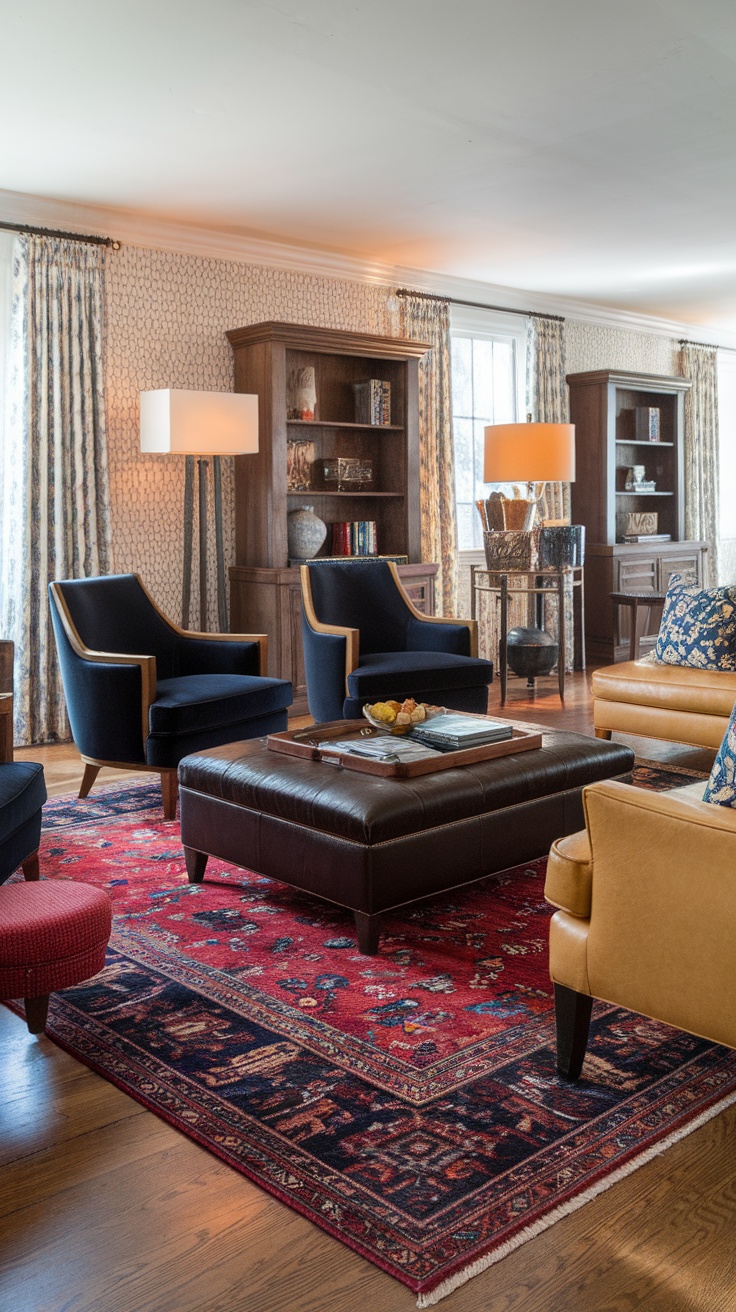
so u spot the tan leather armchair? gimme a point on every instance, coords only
(674, 702)
(647, 915)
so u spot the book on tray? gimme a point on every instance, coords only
(384, 747)
(451, 733)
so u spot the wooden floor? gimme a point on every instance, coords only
(105, 1208)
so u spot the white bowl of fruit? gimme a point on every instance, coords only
(400, 717)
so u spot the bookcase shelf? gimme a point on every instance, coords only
(603, 405)
(339, 423)
(265, 591)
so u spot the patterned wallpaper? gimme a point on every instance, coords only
(589, 346)
(167, 315)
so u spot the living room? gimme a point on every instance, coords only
(502, 201)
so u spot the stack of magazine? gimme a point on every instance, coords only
(452, 733)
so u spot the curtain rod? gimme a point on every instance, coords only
(54, 232)
(479, 305)
(705, 346)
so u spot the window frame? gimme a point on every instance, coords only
(493, 325)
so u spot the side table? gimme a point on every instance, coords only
(639, 601)
(546, 583)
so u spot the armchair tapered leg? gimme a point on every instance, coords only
(30, 866)
(37, 1009)
(604, 733)
(170, 792)
(572, 1013)
(90, 774)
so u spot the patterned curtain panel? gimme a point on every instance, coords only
(427, 319)
(699, 364)
(56, 507)
(547, 396)
(548, 404)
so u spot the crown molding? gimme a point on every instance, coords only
(215, 243)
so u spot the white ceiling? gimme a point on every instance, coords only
(576, 147)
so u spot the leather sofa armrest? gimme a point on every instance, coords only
(570, 874)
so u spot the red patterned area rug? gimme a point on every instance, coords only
(407, 1103)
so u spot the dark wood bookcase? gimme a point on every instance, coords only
(603, 406)
(265, 591)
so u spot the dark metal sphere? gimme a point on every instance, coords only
(531, 652)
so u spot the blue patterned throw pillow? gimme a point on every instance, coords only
(698, 626)
(721, 786)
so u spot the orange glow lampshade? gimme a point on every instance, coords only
(529, 453)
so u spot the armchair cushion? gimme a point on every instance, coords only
(22, 794)
(418, 671)
(206, 701)
(208, 656)
(425, 636)
(698, 626)
(361, 595)
(721, 786)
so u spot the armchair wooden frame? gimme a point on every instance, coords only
(352, 636)
(147, 664)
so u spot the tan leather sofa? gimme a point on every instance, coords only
(674, 702)
(647, 915)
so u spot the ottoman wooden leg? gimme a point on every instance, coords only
(572, 1013)
(196, 864)
(37, 1009)
(369, 929)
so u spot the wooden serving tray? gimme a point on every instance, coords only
(303, 743)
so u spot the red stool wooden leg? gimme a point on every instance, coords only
(37, 1009)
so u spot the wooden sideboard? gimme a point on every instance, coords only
(270, 601)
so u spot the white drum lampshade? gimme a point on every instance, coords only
(175, 421)
(179, 422)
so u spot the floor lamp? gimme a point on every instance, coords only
(201, 424)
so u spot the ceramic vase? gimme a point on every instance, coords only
(305, 533)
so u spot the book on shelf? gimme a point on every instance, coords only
(355, 537)
(451, 733)
(647, 537)
(646, 423)
(372, 402)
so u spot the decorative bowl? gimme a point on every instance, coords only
(401, 730)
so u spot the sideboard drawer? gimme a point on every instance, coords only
(687, 563)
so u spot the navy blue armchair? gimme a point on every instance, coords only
(22, 794)
(364, 640)
(142, 692)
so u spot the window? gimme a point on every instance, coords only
(727, 440)
(488, 367)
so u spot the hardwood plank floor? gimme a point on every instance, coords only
(105, 1208)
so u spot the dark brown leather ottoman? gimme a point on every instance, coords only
(373, 844)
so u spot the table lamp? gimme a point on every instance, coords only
(534, 454)
(202, 424)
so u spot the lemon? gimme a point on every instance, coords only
(381, 711)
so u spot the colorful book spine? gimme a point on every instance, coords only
(373, 402)
(357, 537)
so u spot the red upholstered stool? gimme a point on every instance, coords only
(52, 934)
